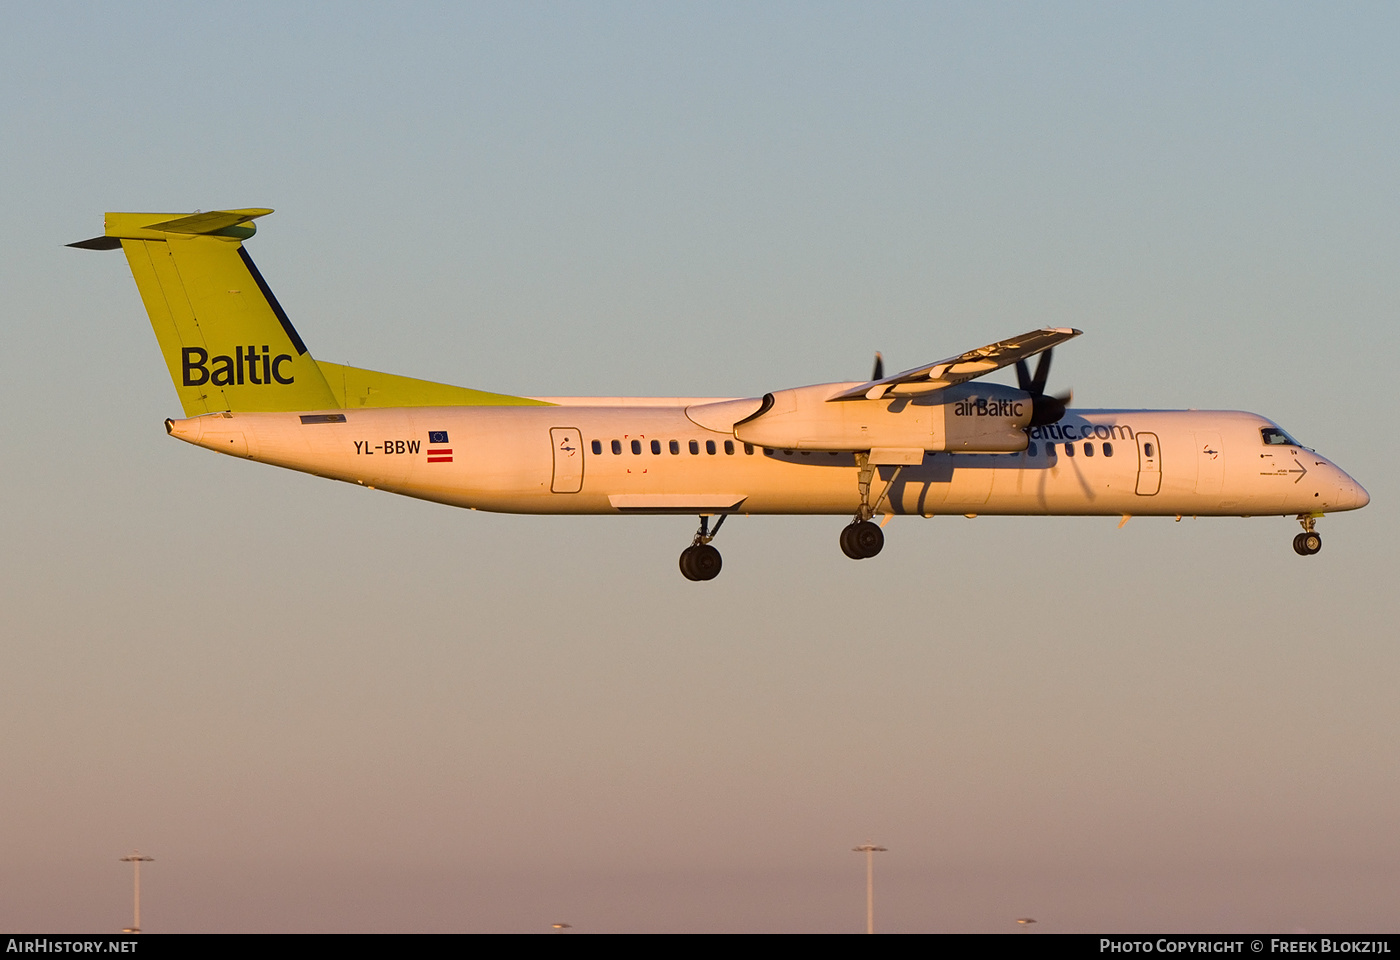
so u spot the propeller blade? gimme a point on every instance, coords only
(1042, 373)
(1023, 376)
(879, 373)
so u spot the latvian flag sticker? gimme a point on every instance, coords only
(438, 450)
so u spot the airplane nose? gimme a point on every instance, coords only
(1353, 496)
(1362, 497)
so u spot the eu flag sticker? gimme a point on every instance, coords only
(437, 451)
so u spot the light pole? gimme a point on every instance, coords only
(136, 860)
(869, 849)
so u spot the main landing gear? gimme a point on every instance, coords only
(861, 539)
(700, 561)
(1309, 541)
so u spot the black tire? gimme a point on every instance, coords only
(1312, 543)
(848, 545)
(705, 561)
(1298, 546)
(688, 564)
(867, 538)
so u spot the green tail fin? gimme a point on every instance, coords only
(226, 340)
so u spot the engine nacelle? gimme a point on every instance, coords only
(970, 418)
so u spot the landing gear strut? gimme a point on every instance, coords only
(700, 561)
(861, 539)
(1309, 541)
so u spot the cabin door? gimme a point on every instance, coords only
(1149, 478)
(1210, 464)
(568, 460)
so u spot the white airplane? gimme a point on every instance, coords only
(932, 440)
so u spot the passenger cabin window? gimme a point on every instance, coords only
(1107, 449)
(1069, 449)
(1274, 437)
(675, 446)
(1031, 450)
(1049, 449)
(636, 446)
(617, 446)
(597, 446)
(1088, 449)
(729, 447)
(748, 449)
(656, 446)
(710, 447)
(694, 446)
(1148, 450)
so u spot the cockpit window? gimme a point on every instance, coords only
(1274, 437)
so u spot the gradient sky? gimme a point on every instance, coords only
(323, 708)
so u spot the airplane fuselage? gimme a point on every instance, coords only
(614, 456)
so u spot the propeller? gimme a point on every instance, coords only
(879, 373)
(1044, 408)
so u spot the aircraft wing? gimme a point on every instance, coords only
(960, 369)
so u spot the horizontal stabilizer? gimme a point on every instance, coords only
(211, 222)
(98, 243)
(228, 224)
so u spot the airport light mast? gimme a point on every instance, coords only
(136, 860)
(869, 849)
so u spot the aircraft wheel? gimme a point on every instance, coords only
(1312, 543)
(863, 540)
(700, 562)
(869, 538)
(848, 546)
(705, 561)
(1298, 547)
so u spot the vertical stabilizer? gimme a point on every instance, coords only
(226, 340)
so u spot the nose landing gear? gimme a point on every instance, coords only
(861, 539)
(1309, 541)
(700, 561)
